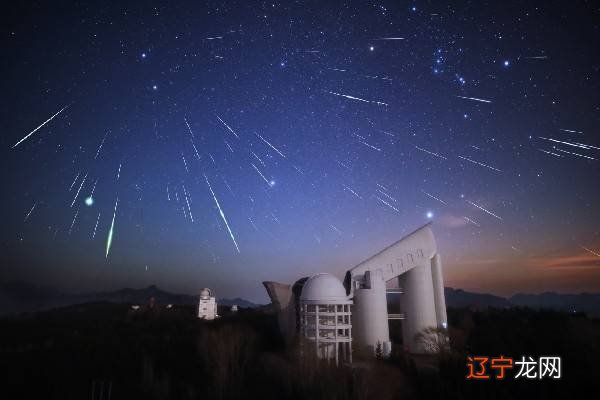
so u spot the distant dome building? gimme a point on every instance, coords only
(325, 317)
(234, 308)
(207, 306)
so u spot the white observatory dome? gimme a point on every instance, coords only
(323, 289)
(205, 293)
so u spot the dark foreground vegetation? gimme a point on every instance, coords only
(103, 350)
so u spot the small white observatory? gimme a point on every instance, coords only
(207, 306)
(331, 315)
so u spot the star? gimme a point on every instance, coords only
(429, 214)
(371, 48)
(89, 201)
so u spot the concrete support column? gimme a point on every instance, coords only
(370, 316)
(418, 304)
(438, 291)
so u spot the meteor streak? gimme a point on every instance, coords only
(569, 130)
(575, 154)
(222, 214)
(96, 226)
(574, 144)
(74, 219)
(483, 209)
(368, 145)
(261, 175)
(356, 98)
(429, 152)
(185, 163)
(44, 123)
(478, 163)
(195, 149)
(111, 230)
(270, 145)
(94, 187)
(119, 172)
(258, 158)
(387, 195)
(335, 229)
(475, 99)
(435, 198)
(78, 190)
(351, 191)
(387, 204)
(101, 144)
(74, 180)
(29, 213)
(188, 203)
(591, 251)
(188, 126)
(391, 38)
(471, 221)
(227, 126)
(549, 152)
(275, 218)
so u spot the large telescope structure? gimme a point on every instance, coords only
(322, 311)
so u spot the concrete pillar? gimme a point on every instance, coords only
(369, 314)
(438, 291)
(418, 304)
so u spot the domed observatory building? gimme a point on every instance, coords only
(325, 318)
(207, 306)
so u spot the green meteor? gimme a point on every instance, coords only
(112, 227)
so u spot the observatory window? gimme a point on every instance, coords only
(323, 308)
(310, 308)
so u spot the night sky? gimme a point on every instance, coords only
(228, 143)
